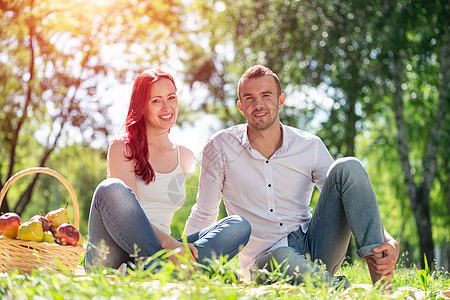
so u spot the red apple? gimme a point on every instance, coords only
(46, 225)
(66, 234)
(9, 225)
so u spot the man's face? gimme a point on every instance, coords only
(259, 102)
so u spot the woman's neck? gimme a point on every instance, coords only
(159, 140)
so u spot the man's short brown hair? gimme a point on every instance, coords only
(257, 71)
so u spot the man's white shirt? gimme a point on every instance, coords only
(272, 194)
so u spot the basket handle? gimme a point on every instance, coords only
(54, 174)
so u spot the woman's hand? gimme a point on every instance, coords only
(173, 244)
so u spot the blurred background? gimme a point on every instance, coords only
(371, 78)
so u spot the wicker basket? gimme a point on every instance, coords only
(25, 256)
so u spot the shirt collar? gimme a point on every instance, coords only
(246, 143)
(244, 137)
(285, 143)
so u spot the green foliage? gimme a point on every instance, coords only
(277, 273)
(186, 283)
(424, 276)
(366, 57)
(55, 58)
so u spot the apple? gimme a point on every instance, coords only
(66, 234)
(9, 225)
(46, 225)
(57, 217)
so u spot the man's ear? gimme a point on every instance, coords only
(239, 105)
(281, 100)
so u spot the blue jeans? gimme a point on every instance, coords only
(346, 205)
(118, 224)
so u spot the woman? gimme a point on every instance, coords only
(132, 209)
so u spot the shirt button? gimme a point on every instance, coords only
(267, 161)
(271, 210)
(281, 224)
(269, 185)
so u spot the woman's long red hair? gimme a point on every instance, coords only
(135, 137)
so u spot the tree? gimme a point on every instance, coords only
(413, 67)
(55, 55)
(359, 53)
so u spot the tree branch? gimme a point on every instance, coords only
(15, 139)
(25, 197)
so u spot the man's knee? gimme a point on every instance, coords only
(349, 166)
(241, 226)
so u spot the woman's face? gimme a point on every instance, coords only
(162, 107)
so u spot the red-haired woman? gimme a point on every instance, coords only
(133, 208)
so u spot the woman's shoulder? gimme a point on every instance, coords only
(116, 144)
(117, 147)
(186, 158)
(185, 150)
(119, 166)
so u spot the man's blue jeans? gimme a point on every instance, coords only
(346, 205)
(117, 221)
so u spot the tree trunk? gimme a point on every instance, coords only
(419, 196)
(444, 108)
(424, 229)
(419, 208)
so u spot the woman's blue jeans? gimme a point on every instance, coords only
(118, 226)
(346, 205)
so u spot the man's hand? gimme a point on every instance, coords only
(384, 266)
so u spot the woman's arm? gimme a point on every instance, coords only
(168, 242)
(121, 167)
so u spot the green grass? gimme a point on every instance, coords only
(187, 283)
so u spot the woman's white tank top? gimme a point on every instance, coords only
(162, 197)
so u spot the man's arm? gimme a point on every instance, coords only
(204, 213)
(323, 160)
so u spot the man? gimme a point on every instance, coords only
(266, 173)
